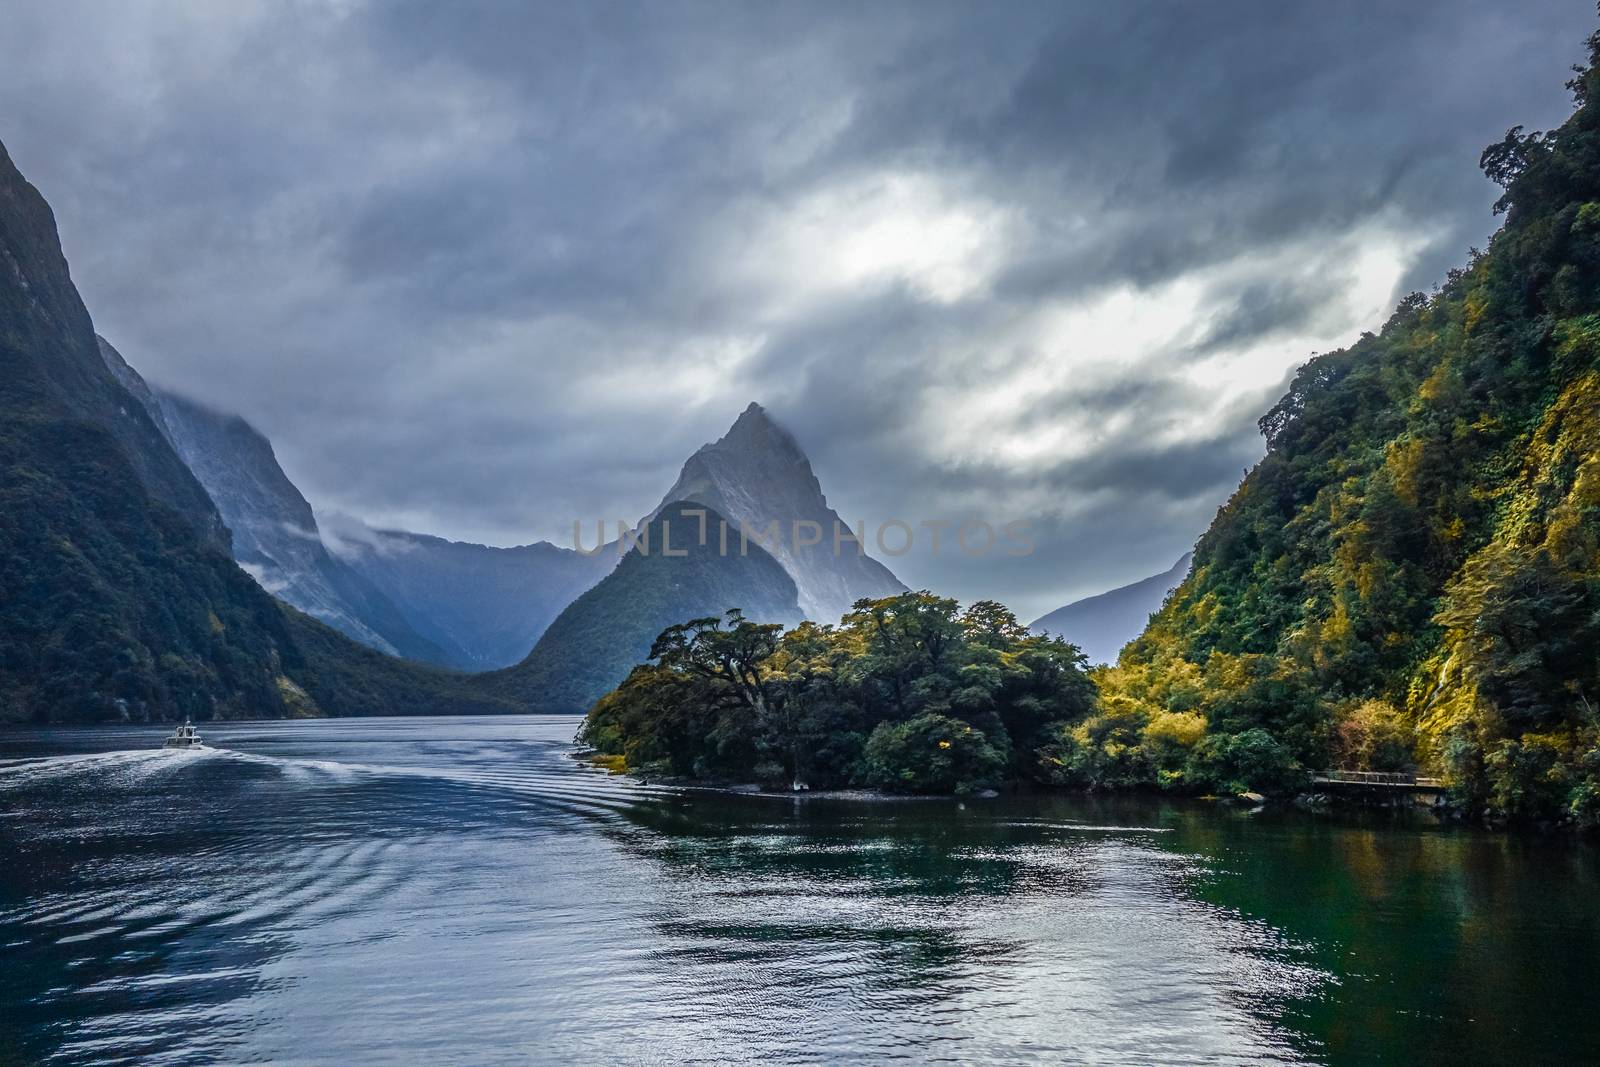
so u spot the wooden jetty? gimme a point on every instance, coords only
(1375, 782)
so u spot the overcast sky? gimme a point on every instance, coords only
(482, 269)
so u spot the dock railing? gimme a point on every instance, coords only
(1378, 778)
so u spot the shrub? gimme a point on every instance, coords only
(1252, 760)
(1526, 779)
(1374, 736)
(931, 754)
(1101, 751)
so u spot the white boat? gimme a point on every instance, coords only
(184, 737)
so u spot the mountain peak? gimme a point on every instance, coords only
(755, 430)
(757, 474)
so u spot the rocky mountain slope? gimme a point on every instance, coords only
(479, 607)
(275, 535)
(756, 474)
(467, 606)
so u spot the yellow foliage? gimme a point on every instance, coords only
(617, 764)
(1477, 304)
(1570, 538)
(1404, 460)
(296, 700)
(1184, 728)
(1373, 735)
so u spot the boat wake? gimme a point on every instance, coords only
(129, 767)
(538, 772)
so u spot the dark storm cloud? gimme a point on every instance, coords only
(485, 268)
(1261, 310)
(1206, 468)
(1132, 466)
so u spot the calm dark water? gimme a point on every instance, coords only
(447, 890)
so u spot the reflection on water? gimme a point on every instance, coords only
(460, 890)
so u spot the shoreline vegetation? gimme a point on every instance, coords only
(1311, 801)
(1408, 581)
(910, 696)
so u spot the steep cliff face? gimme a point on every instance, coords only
(467, 606)
(275, 535)
(667, 578)
(53, 361)
(118, 597)
(134, 383)
(756, 474)
(1101, 625)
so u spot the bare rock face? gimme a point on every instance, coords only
(275, 535)
(756, 475)
(273, 532)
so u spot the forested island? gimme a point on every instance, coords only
(908, 694)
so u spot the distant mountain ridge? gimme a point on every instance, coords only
(702, 551)
(121, 508)
(1102, 624)
(485, 607)
(467, 606)
(478, 607)
(275, 535)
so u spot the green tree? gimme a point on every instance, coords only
(932, 754)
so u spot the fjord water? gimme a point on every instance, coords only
(460, 890)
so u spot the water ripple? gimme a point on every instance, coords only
(462, 890)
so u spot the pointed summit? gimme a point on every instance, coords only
(756, 429)
(756, 475)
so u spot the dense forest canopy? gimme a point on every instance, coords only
(908, 693)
